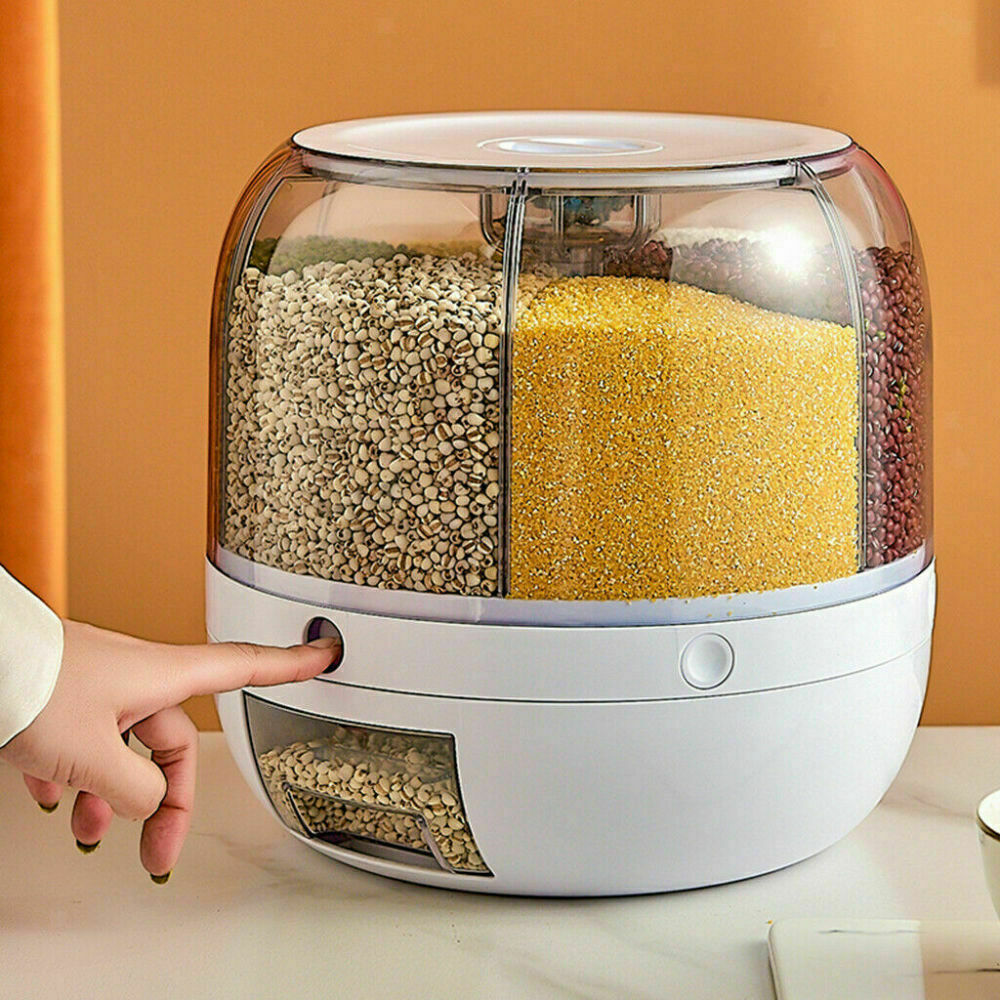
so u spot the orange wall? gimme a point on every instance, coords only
(169, 107)
(32, 368)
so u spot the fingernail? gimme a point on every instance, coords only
(48, 809)
(87, 848)
(327, 642)
(160, 879)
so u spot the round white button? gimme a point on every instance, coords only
(706, 661)
(323, 628)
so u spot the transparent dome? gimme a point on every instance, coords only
(571, 368)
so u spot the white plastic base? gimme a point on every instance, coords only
(595, 797)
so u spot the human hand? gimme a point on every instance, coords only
(111, 683)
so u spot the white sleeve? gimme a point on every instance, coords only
(31, 648)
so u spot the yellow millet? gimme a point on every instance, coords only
(670, 442)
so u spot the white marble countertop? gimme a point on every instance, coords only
(249, 912)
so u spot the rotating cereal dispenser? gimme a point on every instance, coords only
(602, 442)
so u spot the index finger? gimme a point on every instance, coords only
(227, 666)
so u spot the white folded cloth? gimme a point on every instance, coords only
(31, 648)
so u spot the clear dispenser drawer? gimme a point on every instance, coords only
(390, 793)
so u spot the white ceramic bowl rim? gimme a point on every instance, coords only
(988, 815)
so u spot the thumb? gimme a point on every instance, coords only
(132, 785)
(226, 666)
